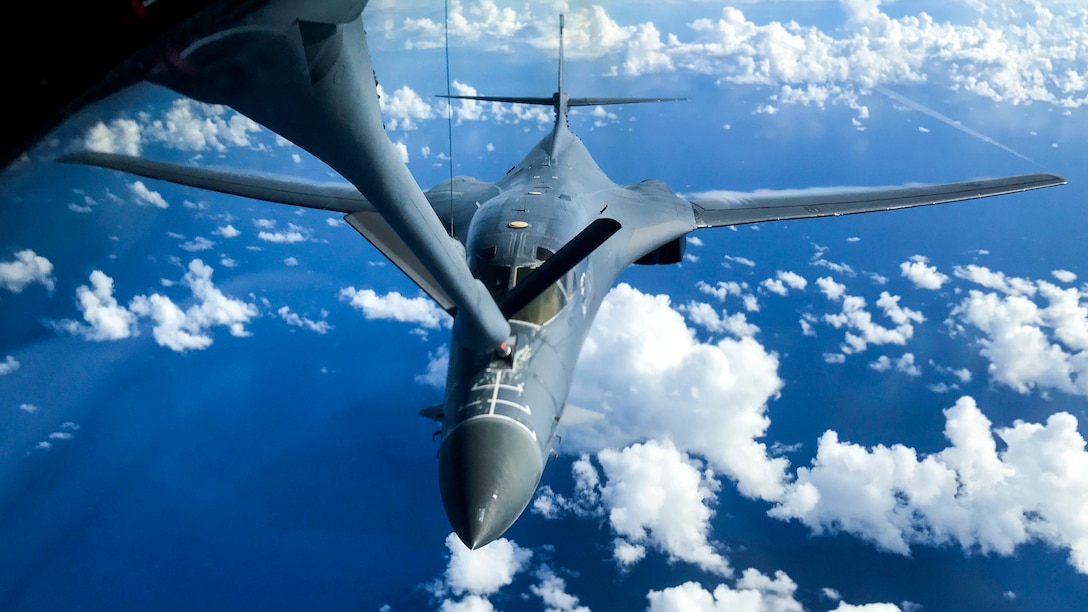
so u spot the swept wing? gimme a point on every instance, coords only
(721, 208)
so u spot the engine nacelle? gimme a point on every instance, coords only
(669, 253)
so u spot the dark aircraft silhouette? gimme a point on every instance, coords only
(531, 255)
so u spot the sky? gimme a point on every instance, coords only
(211, 402)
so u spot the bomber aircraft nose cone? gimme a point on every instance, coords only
(488, 469)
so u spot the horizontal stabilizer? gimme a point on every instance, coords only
(721, 208)
(607, 101)
(435, 413)
(337, 197)
(574, 415)
(550, 101)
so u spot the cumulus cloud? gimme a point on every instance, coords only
(227, 231)
(282, 237)
(393, 306)
(855, 318)
(174, 328)
(473, 575)
(1064, 276)
(182, 330)
(438, 362)
(294, 319)
(655, 494)
(754, 592)
(783, 282)
(9, 365)
(820, 261)
(999, 54)
(105, 318)
(744, 261)
(27, 267)
(189, 125)
(199, 243)
(981, 275)
(969, 494)
(404, 108)
(904, 364)
(552, 591)
(641, 361)
(145, 196)
(1028, 345)
(119, 136)
(704, 315)
(922, 275)
(186, 125)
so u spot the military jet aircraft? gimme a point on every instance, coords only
(522, 262)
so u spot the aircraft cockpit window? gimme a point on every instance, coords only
(497, 281)
(545, 306)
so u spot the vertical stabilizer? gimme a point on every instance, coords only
(560, 100)
(561, 92)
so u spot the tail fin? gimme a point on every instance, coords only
(561, 100)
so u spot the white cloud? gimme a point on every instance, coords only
(106, 319)
(27, 267)
(290, 262)
(173, 328)
(830, 288)
(264, 223)
(282, 237)
(404, 108)
(640, 362)
(402, 150)
(145, 196)
(227, 231)
(292, 318)
(819, 261)
(783, 281)
(854, 318)
(723, 289)
(1064, 276)
(552, 591)
(706, 316)
(333, 221)
(189, 125)
(120, 136)
(8, 366)
(1034, 55)
(199, 243)
(969, 494)
(923, 276)
(904, 364)
(654, 493)
(476, 574)
(394, 306)
(744, 261)
(1030, 346)
(31, 408)
(755, 592)
(982, 275)
(181, 330)
(438, 362)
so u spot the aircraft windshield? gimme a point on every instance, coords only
(500, 279)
